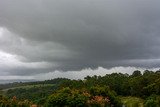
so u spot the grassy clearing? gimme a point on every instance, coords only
(132, 101)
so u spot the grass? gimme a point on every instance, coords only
(132, 101)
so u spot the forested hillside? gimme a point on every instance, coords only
(111, 90)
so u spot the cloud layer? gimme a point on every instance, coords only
(43, 36)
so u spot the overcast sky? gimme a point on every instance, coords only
(62, 37)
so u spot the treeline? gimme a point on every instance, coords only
(145, 86)
(137, 84)
(17, 84)
(97, 91)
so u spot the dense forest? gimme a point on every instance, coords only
(111, 90)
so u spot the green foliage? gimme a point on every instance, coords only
(67, 97)
(136, 73)
(147, 72)
(132, 101)
(96, 96)
(152, 101)
(106, 92)
(92, 91)
(33, 93)
(4, 102)
(56, 81)
(116, 81)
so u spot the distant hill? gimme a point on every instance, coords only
(5, 84)
(15, 80)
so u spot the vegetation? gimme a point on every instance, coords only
(111, 90)
(132, 101)
(4, 102)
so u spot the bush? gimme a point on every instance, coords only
(67, 97)
(152, 101)
(106, 93)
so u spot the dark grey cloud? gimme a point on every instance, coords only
(78, 34)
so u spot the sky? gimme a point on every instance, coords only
(44, 39)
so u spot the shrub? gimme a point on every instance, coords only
(152, 101)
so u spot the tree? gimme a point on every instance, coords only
(147, 72)
(136, 73)
(104, 92)
(67, 97)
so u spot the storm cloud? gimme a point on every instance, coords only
(41, 36)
